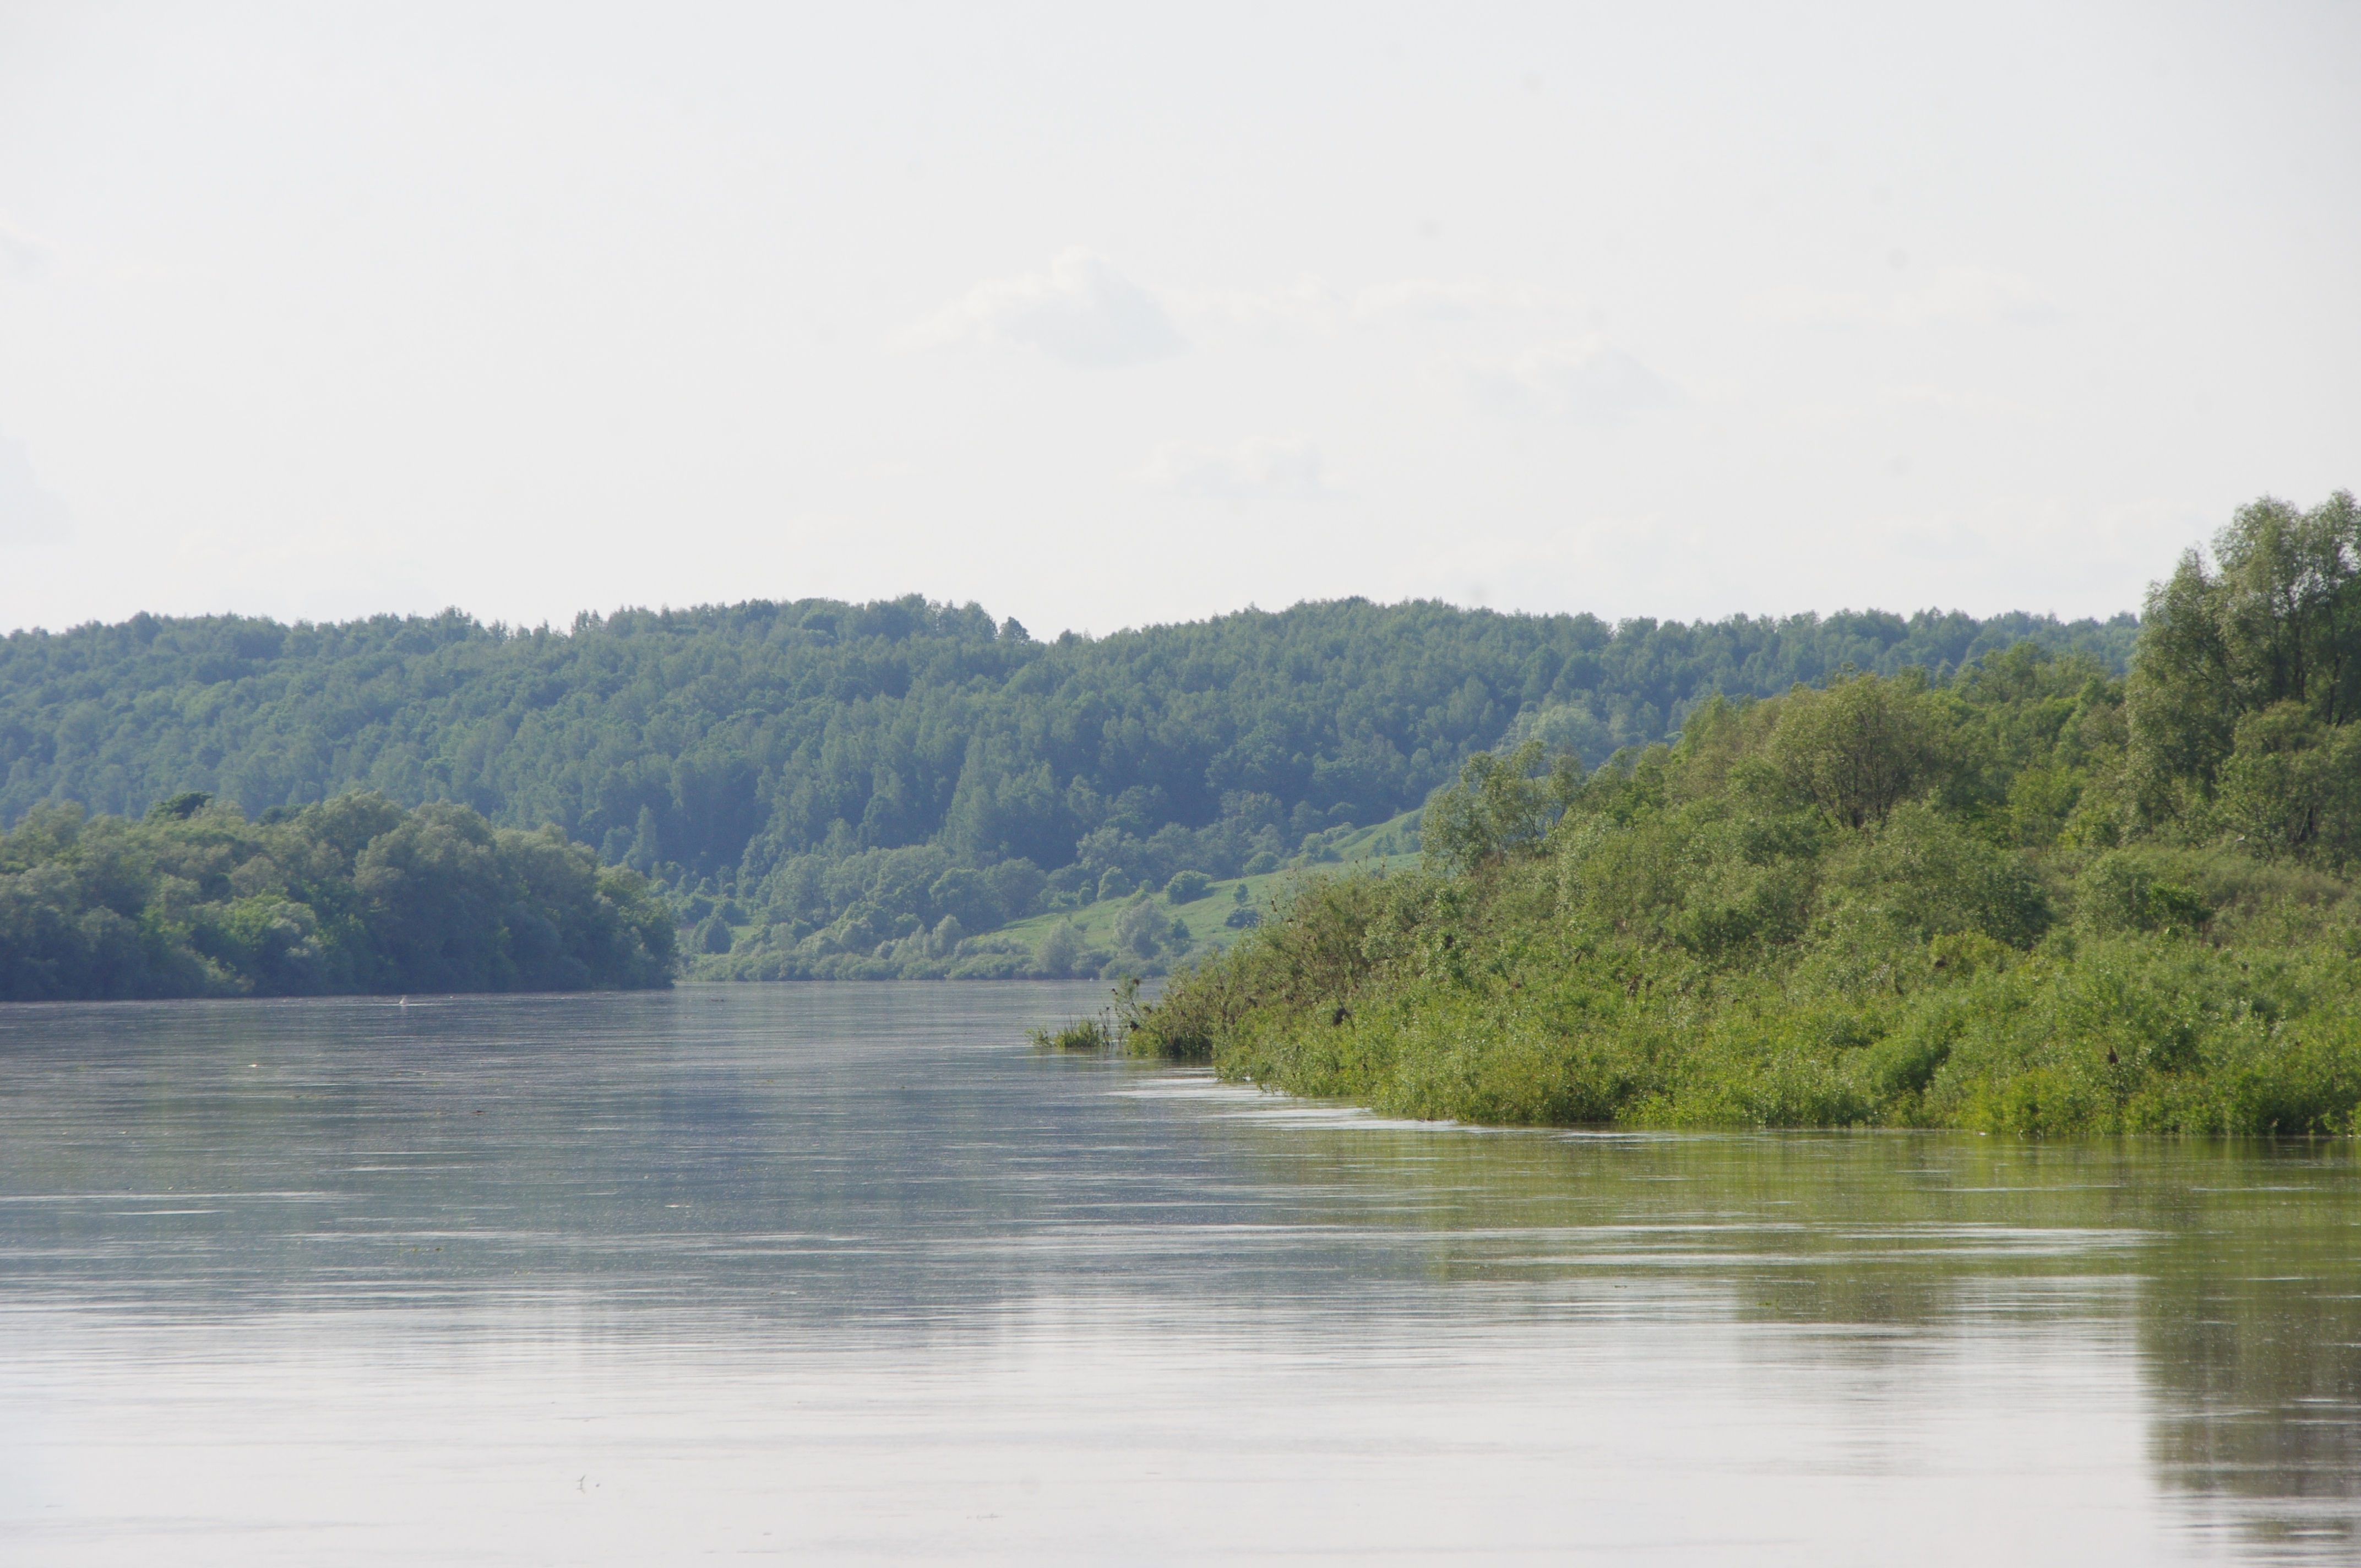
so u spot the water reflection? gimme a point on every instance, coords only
(850, 1270)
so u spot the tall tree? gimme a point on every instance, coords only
(2277, 618)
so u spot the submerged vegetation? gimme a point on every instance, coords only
(1099, 1032)
(352, 895)
(2027, 897)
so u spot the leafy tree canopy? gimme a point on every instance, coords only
(714, 747)
(355, 894)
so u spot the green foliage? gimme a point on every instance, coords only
(1139, 930)
(2255, 662)
(180, 807)
(2290, 787)
(1931, 876)
(2120, 892)
(1501, 806)
(1187, 887)
(716, 745)
(713, 936)
(1861, 747)
(1060, 951)
(1081, 1035)
(355, 894)
(1891, 901)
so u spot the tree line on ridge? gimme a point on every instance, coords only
(777, 770)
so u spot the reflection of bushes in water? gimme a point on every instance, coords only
(2250, 1332)
(1869, 1229)
(2234, 1262)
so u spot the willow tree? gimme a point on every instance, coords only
(1500, 808)
(2275, 622)
(1861, 747)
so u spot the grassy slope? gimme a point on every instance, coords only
(1353, 852)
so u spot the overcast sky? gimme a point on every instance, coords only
(1105, 316)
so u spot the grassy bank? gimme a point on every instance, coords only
(2134, 1033)
(1883, 904)
(1208, 917)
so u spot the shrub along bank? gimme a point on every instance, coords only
(354, 894)
(2030, 899)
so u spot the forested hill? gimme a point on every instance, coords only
(718, 742)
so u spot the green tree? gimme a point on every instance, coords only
(1187, 887)
(712, 936)
(729, 740)
(2291, 785)
(352, 894)
(2276, 619)
(1861, 747)
(1139, 930)
(1500, 808)
(1059, 948)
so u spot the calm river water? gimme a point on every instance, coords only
(845, 1273)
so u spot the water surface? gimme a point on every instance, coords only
(849, 1273)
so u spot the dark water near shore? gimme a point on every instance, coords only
(849, 1272)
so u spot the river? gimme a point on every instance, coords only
(850, 1273)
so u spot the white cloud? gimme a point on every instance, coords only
(1080, 311)
(1958, 296)
(1312, 306)
(1942, 401)
(1309, 306)
(28, 514)
(1431, 299)
(1819, 307)
(21, 256)
(1588, 381)
(1981, 298)
(1252, 470)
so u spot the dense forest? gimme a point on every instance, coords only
(798, 780)
(2026, 896)
(352, 895)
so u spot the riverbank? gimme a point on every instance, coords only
(1689, 939)
(2140, 1033)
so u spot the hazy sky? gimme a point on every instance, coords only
(1105, 315)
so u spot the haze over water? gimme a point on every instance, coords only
(851, 1272)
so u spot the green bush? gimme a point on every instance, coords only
(354, 894)
(1837, 908)
(712, 936)
(1187, 887)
